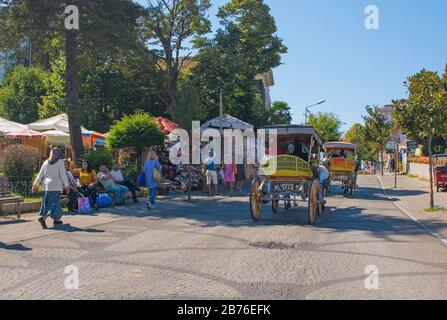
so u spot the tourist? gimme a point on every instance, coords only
(73, 187)
(150, 166)
(240, 177)
(120, 180)
(54, 180)
(88, 182)
(109, 184)
(230, 176)
(210, 169)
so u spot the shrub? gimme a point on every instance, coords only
(98, 158)
(129, 167)
(19, 161)
(137, 131)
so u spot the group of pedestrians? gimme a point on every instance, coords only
(56, 178)
(233, 175)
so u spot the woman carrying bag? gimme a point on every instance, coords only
(54, 180)
(152, 169)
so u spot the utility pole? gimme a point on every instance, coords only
(396, 160)
(307, 112)
(221, 121)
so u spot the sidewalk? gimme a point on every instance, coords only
(413, 195)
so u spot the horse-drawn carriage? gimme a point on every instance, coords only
(340, 157)
(290, 174)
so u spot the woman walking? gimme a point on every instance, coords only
(230, 176)
(54, 180)
(152, 166)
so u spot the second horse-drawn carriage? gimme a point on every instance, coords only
(340, 158)
(291, 174)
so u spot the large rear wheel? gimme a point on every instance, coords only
(313, 201)
(255, 199)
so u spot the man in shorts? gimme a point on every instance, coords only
(211, 174)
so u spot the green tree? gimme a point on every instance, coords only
(54, 102)
(104, 26)
(356, 135)
(137, 131)
(169, 25)
(22, 92)
(328, 126)
(424, 115)
(377, 130)
(444, 78)
(280, 113)
(245, 45)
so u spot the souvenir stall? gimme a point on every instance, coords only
(30, 138)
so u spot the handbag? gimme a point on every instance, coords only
(141, 179)
(104, 200)
(156, 175)
(84, 206)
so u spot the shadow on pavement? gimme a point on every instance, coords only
(9, 222)
(70, 229)
(14, 247)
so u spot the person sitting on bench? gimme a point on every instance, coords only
(119, 191)
(120, 180)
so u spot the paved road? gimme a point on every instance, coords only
(211, 249)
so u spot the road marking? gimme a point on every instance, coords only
(422, 225)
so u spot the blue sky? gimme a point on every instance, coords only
(333, 56)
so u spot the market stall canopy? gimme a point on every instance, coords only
(94, 137)
(24, 134)
(166, 125)
(56, 137)
(7, 126)
(228, 122)
(59, 123)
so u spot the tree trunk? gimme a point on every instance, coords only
(172, 90)
(396, 163)
(381, 161)
(430, 157)
(72, 92)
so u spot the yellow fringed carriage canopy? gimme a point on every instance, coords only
(341, 165)
(300, 137)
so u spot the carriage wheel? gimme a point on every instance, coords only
(352, 190)
(255, 199)
(321, 206)
(313, 201)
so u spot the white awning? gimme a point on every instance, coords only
(7, 126)
(228, 122)
(59, 123)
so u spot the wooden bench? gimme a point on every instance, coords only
(6, 196)
(166, 188)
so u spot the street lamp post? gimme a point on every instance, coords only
(307, 112)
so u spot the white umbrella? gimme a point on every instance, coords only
(57, 137)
